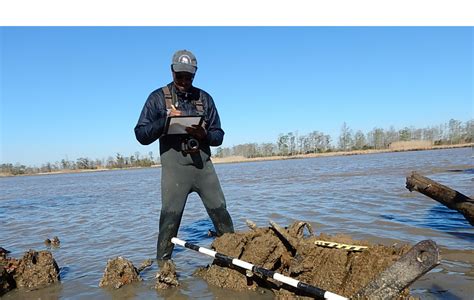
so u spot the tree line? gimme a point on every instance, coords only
(291, 143)
(83, 163)
(452, 132)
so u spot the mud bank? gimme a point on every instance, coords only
(296, 255)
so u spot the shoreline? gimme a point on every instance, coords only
(242, 159)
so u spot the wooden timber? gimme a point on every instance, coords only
(421, 258)
(443, 194)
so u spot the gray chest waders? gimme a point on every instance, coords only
(180, 177)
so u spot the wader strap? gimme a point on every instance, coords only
(199, 105)
(169, 101)
(200, 108)
(168, 97)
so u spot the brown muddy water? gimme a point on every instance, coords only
(101, 215)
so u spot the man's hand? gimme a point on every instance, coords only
(197, 132)
(173, 112)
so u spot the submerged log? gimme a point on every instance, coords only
(443, 194)
(423, 257)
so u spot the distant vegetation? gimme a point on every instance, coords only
(82, 163)
(451, 133)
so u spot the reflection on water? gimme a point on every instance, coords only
(101, 215)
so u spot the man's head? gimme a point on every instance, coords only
(183, 66)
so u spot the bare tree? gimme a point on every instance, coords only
(454, 131)
(282, 143)
(376, 138)
(391, 135)
(468, 132)
(345, 138)
(359, 140)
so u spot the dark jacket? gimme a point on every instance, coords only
(152, 119)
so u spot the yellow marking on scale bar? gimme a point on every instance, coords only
(340, 246)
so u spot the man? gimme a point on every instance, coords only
(185, 168)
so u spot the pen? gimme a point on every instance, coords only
(173, 107)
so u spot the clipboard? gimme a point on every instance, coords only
(178, 124)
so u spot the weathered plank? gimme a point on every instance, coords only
(443, 194)
(421, 258)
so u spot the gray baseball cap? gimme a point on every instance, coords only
(184, 61)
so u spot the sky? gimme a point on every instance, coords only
(70, 92)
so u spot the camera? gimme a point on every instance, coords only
(190, 145)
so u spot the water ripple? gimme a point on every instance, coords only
(98, 216)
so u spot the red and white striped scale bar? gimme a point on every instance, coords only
(312, 290)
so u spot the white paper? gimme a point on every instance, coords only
(177, 125)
